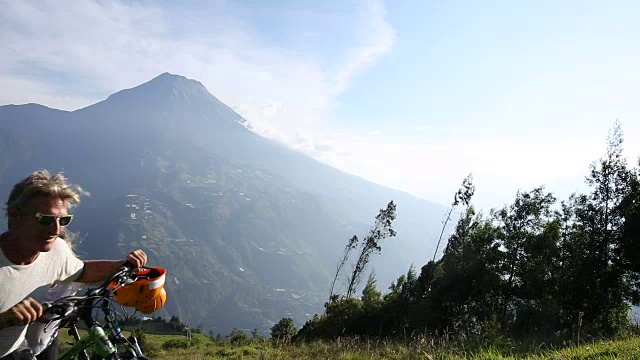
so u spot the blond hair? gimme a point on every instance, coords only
(43, 184)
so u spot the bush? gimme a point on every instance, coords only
(181, 343)
(175, 344)
(284, 329)
(140, 336)
(238, 337)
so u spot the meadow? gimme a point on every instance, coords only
(165, 347)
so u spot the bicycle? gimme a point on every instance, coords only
(103, 341)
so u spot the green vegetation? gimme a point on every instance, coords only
(157, 325)
(164, 347)
(285, 329)
(535, 271)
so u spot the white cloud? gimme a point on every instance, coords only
(70, 54)
(111, 46)
(433, 169)
(56, 52)
(16, 88)
(105, 47)
(377, 37)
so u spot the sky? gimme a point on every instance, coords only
(413, 95)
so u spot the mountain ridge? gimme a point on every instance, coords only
(270, 220)
(168, 79)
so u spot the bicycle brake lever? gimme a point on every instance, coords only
(45, 306)
(57, 313)
(68, 311)
(47, 325)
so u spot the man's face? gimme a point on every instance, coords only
(35, 236)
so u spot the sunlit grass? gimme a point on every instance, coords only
(164, 347)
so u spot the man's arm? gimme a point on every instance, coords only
(96, 271)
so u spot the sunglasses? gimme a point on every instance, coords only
(46, 220)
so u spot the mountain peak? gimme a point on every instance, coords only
(174, 80)
(172, 96)
(165, 87)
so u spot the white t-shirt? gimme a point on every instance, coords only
(17, 282)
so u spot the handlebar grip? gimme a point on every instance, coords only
(44, 318)
(130, 266)
(53, 311)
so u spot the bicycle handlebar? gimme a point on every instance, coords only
(70, 309)
(66, 306)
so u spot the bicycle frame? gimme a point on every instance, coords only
(80, 347)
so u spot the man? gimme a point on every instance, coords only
(34, 257)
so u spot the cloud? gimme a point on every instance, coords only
(434, 168)
(70, 54)
(114, 45)
(15, 88)
(377, 38)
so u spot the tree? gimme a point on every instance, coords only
(530, 268)
(596, 282)
(238, 337)
(382, 229)
(284, 329)
(371, 296)
(462, 196)
(629, 251)
(522, 230)
(466, 281)
(352, 244)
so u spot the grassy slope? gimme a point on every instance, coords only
(206, 349)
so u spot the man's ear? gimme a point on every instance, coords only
(12, 212)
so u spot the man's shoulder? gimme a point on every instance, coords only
(60, 249)
(61, 245)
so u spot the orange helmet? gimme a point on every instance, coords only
(147, 294)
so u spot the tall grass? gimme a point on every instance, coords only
(360, 348)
